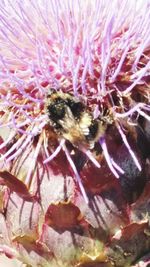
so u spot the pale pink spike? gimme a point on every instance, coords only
(55, 153)
(14, 147)
(107, 157)
(91, 157)
(77, 176)
(130, 111)
(117, 167)
(20, 150)
(143, 114)
(129, 148)
(142, 72)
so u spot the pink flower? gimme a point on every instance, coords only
(99, 52)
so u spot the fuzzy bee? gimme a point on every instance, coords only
(72, 120)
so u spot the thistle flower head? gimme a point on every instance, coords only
(97, 51)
